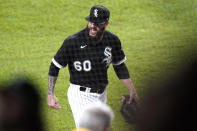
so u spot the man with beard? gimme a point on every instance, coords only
(88, 54)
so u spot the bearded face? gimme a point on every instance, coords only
(95, 31)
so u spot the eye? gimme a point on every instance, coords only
(97, 24)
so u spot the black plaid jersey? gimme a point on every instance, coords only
(88, 61)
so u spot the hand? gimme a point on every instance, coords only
(134, 96)
(53, 102)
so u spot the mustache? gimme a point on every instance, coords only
(94, 28)
(98, 36)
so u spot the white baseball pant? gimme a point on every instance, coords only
(79, 100)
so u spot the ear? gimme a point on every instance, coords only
(106, 23)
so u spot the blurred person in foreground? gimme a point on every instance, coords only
(20, 106)
(170, 106)
(96, 117)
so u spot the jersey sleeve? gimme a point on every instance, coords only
(118, 56)
(60, 60)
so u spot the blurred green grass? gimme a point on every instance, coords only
(158, 37)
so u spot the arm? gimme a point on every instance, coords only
(123, 74)
(52, 78)
(51, 84)
(59, 61)
(133, 95)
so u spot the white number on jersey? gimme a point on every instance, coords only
(86, 65)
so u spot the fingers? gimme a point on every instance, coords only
(56, 106)
(122, 99)
(53, 102)
(133, 97)
(129, 101)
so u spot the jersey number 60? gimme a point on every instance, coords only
(85, 65)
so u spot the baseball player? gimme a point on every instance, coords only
(88, 54)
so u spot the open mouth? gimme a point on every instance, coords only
(92, 32)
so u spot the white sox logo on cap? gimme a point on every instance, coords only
(96, 12)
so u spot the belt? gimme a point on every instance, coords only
(92, 90)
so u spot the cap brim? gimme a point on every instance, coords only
(97, 22)
(87, 18)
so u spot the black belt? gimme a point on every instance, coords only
(92, 90)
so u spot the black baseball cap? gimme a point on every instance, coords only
(98, 14)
